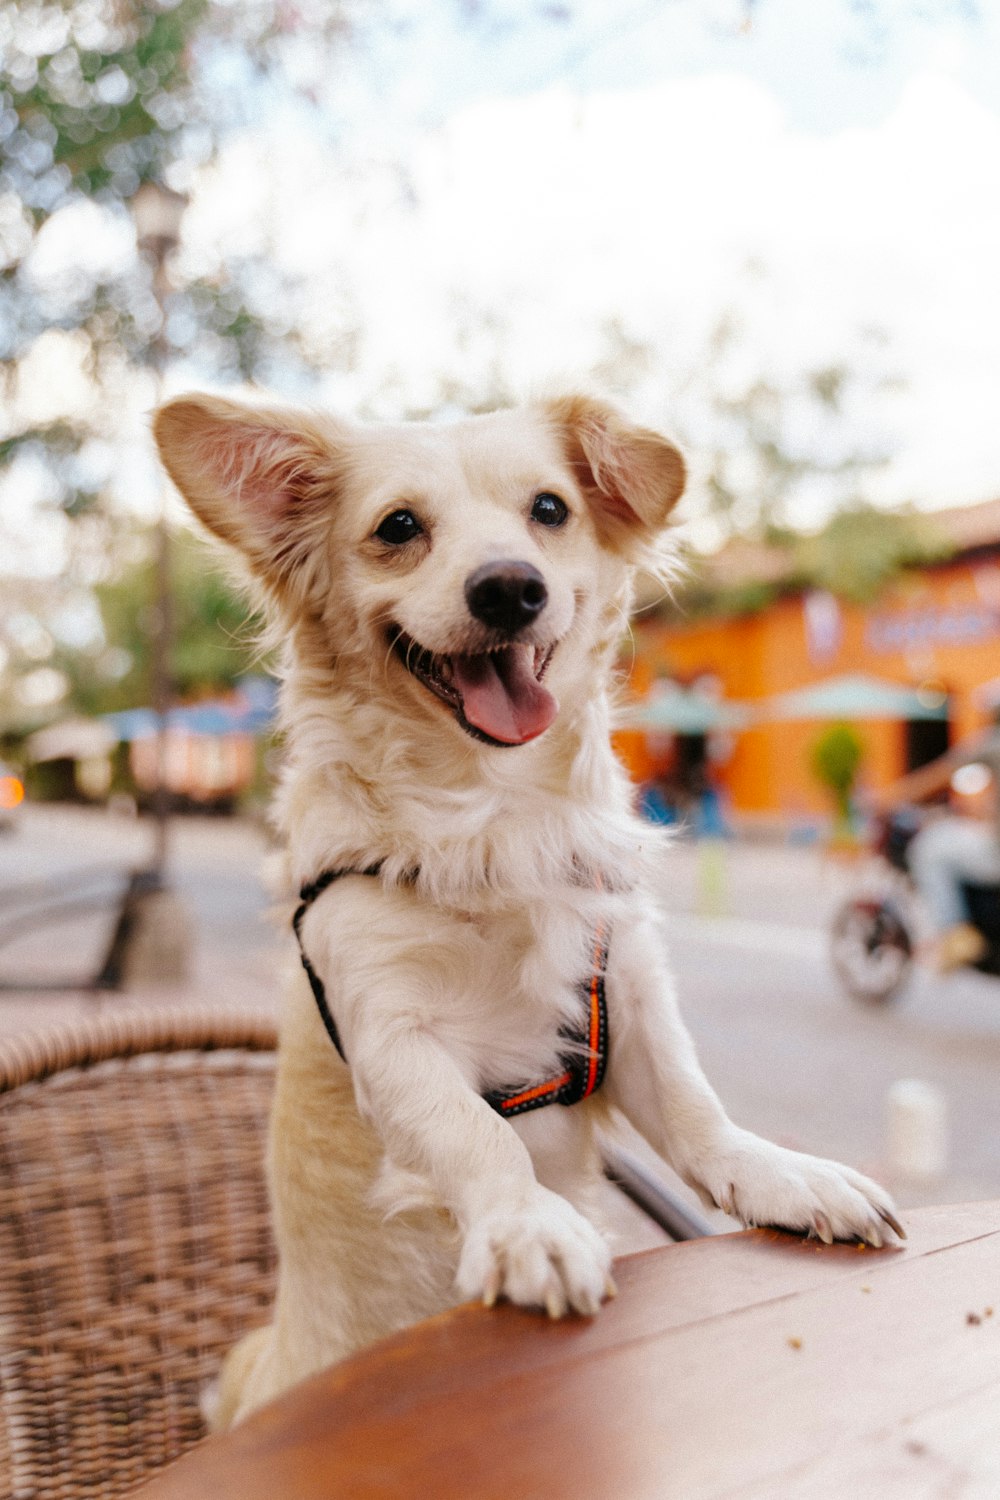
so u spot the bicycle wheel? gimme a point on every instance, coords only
(871, 950)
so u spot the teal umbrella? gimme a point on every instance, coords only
(674, 710)
(856, 697)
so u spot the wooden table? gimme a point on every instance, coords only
(755, 1365)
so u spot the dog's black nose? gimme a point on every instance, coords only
(506, 595)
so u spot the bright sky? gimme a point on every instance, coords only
(480, 205)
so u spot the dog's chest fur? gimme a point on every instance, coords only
(518, 989)
(499, 906)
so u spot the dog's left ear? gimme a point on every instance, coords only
(632, 476)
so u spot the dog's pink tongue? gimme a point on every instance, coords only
(502, 696)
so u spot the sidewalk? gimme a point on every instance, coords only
(786, 885)
(250, 984)
(236, 954)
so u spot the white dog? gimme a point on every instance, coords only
(477, 910)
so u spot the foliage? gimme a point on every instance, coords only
(95, 99)
(862, 549)
(213, 631)
(835, 759)
(100, 96)
(96, 95)
(856, 556)
(771, 444)
(775, 438)
(698, 597)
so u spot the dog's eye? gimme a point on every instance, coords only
(549, 510)
(402, 526)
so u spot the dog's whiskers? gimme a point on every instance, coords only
(394, 640)
(629, 634)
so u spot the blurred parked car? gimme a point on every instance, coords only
(11, 796)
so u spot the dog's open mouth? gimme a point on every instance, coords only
(497, 696)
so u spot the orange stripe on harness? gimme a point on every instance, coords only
(597, 1016)
(529, 1095)
(583, 1068)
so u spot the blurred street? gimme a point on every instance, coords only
(791, 1056)
(215, 867)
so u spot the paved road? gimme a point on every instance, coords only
(796, 1060)
(790, 1055)
(215, 866)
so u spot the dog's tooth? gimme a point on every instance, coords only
(610, 1289)
(554, 1304)
(491, 1289)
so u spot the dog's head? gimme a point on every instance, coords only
(472, 564)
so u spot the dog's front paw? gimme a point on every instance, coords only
(542, 1255)
(760, 1183)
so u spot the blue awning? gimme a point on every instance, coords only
(250, 711)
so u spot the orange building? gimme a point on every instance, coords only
(935, 629)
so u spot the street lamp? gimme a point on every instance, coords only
(159, 941)
(157, 212)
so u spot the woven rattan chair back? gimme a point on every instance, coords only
(135, 1242)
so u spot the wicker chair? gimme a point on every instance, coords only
(135, 1242)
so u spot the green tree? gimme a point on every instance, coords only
(862, 549)
(765, 440)
(95, 99)
(213, 632)
(98, 97)
(836, 759)
(772, 439)
(856, 556)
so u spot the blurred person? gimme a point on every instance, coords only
(955, 847)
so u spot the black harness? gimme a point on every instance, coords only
(582, 1065)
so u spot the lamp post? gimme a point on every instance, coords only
(157, 212)
(158, 927)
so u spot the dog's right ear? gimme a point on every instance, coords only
(261, 478)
